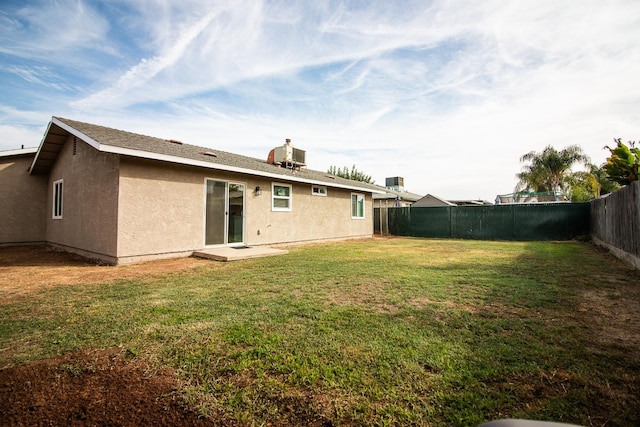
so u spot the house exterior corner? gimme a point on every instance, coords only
(120, 197)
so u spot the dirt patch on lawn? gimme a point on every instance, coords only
(28, 269)
(614, 317)
(100, 388)
(96, 388)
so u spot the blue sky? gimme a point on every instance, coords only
(447, 94)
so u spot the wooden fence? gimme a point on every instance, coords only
(615, 223)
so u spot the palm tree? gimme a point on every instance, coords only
(549, 170)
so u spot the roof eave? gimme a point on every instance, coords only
(199, 163)
(18, 152)
(44, 137)
(65, 127)
(182, 160)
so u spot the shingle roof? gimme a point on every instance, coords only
(429, 198)
(393, 194)
(136, 145)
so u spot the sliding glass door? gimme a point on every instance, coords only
(224, 218)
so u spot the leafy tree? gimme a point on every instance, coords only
(549, 170)
(589, 185)
(584, 186)
(606, 184)
(354, 174)
(622, 166)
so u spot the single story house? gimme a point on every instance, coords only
(394, 194)
(120, 197)
(430, 201)
(394, 198)
(521, 197)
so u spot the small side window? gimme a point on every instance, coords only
(319, 190)
(57, 199)
(357, 206)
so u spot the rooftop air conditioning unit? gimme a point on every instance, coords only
(287, 155)
(395, 183)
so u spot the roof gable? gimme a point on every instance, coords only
(135, 145)
(431, 200)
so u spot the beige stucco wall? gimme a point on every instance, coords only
(120, 209)
(22, 201)
(162, 211)
(90, 204)
(311, 218)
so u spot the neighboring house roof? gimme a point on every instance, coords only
(431, 200)
(470, 202)
(531, 197)
(19, 152)
(394, 194)
(116, 141)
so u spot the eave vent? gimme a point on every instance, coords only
(209, 153)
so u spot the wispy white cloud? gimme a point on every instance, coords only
(42, 28)
(147, 69)
(37, 75)
(447, 94)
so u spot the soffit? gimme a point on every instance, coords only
(49, 149)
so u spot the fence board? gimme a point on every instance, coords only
(616, 219)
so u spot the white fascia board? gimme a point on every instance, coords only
(227, 168)
(46, 132)
(69, 129)
(92, 142)
(18, 152)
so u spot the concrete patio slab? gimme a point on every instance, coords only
(231, 253)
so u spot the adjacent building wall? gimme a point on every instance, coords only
(22, 202)
(90, 201)
(391, 203)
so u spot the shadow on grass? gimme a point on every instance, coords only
(553, 335)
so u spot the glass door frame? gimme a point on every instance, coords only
(226, 223)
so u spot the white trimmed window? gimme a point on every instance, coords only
(357, 206)
(280, 197)
(57, 199)
(319, 190)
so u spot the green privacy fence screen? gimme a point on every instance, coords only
(559, 221)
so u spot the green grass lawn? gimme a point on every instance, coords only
(401, 331)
